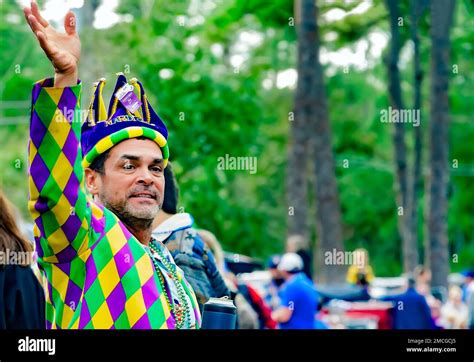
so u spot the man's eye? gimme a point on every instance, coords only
(156, 169)
(128, 166)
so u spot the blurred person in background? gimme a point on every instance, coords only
(247, 317)
(433, 303)
(213, 244)
(362, 282)
(189, 251)
(22, 300)
(468, 284)
(258, 304)
(276, 280)
(411, 311)
(423, 281)
(298, 296)
(454, 313)
(360, 270)
(252, 311)
(469, 297)
(422, 275)
(296, 244)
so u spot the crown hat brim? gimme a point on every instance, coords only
(100, 135)
(115, 138)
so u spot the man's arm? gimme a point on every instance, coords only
(217, 281)
(282, 315)
(287, 304)
(58, 202)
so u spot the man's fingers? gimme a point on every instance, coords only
(34, 23)
(27, 12)
(36, 13)
(70, 23)
(49, 49)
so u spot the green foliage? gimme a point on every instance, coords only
(213, 109)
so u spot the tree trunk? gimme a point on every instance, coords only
(437, 246)
(328, 215)
(416, 9)
(396, 102)
(297, 184)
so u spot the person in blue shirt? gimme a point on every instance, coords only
(411, 311)
(298, 296)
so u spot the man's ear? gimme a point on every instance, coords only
(92, 180)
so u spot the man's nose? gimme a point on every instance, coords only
(145, 176)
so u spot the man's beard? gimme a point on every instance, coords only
(133, 218)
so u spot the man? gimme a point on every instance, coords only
(103, 268)
(296, 244)
(276, 280)
(189, 251)
(298, 296)
(411, 311)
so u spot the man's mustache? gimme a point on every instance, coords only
(143, 192)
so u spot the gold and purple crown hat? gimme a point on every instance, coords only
(104, 129)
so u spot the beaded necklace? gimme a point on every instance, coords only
(180, 311)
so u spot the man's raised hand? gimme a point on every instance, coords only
(63, 50)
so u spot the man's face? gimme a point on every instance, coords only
(275, 273)
(133, 183)
(285, 275)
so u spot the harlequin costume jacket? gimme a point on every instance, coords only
(98, 274)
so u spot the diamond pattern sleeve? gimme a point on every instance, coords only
(57, 199)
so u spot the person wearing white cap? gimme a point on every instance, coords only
(298, 296)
